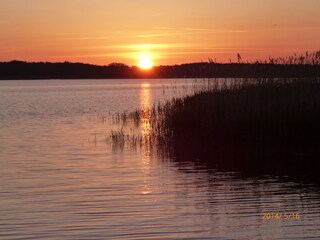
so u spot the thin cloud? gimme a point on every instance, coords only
(158, 35)
(214, 30)
(165, 28)
(90, 38)
(212, 51)
(148, 46)
(165, 32)
(202, 30)
(88, 55)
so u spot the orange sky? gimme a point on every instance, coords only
(170, 31)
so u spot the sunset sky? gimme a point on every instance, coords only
(166, 31)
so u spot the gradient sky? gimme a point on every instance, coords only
(171, 31)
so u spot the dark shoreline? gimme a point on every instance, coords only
(18, 70)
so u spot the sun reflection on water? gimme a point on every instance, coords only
(145, 95)
(145, 103)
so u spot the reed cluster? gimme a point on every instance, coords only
(269, 125)
(307, 58)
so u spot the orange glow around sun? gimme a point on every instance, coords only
(145, 61)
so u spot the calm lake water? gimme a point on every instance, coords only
(60, 178)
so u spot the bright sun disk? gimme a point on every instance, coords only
(145, 62)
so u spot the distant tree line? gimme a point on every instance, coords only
(307, 65)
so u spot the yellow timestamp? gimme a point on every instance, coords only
(283, 216)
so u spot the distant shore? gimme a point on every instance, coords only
(15, 70)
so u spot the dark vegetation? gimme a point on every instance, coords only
(255, 126)
(293, 66)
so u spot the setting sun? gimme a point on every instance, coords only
(145, 61)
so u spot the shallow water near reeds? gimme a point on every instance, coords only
(62, 178)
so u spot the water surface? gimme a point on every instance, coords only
(60, 178)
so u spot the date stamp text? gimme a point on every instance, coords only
(281, 216)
